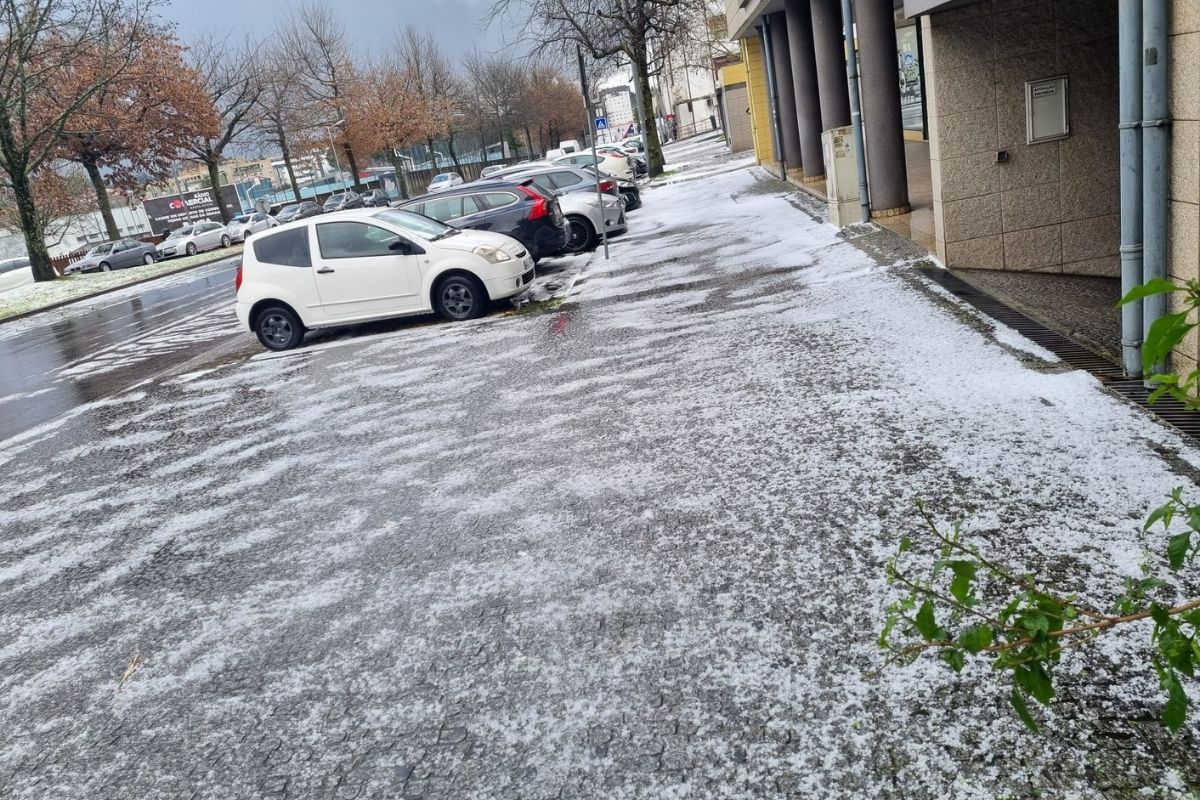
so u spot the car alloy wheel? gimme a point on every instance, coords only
(191, 248)
(579, 234)
(148, 259)
(460, 298)
(104, 267)
(225, 240)
(278, 329)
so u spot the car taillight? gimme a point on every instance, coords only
(607, 186)
(237, 280)
(539, 209)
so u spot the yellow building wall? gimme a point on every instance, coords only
(756, 83)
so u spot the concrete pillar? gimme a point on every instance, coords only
(830, 50)
(789, 131)
(804, 79)
(883, 125)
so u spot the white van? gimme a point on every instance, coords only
(569, 146)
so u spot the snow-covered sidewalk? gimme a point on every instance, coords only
(630, 550)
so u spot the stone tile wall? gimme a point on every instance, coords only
(1184, 224)
(1053, 206)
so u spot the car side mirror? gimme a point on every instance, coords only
(401, 247)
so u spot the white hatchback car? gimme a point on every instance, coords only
(368, 264)
(447, 180)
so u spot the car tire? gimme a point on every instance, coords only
(190, 249)
(581, 236)
(278, 328)
(460, 297)
(148, 259)
(225, 240)
(105, 267)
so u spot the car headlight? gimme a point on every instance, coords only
(492, 255)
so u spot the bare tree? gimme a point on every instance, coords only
(436, 87)
(497, 87)
(234, 82)
(282, 121)
(44, 44)
(317, 41)
(636, 29)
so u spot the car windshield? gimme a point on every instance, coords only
(422, 226)
(242, 218)
(441, 178)
(101, 249)
(288, 211)
(175, 234)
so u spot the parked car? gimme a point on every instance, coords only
(192, 239)
(246, 224)
(447, 180)
(614, 165)
(487, 172)
(371, 264)
(520, 210)
(561, 180)
(14, 273)
(636, 162)
(113, 255)
(343, 201)
(376, 198)
(302, 210)
(586, 215)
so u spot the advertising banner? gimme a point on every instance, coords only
(172, 211)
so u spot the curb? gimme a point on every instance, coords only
(109, 290)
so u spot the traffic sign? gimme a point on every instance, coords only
(601, 123)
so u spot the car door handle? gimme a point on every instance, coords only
(325, 270)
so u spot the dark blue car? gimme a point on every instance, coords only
(520, 210)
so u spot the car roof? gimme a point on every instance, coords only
(466, 188)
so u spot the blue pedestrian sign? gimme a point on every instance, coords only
(601, 123)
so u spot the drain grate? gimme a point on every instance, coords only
(1071, 352)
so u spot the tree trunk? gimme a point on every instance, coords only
(287, 161)
(654, 155)
(214, 187)
(35, 239)
(528, 141)
(453, 155)
(110, 224)
(353, 166)
(541, 143)
(401, 183)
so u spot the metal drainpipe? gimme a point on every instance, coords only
(1155, 144)
(773, 95)
(864, 196)
(1130, 66)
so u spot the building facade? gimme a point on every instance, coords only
(1002, 122)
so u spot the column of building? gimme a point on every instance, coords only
(808, 63)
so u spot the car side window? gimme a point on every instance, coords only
(497, 199)
(287, 248)
(356, 240)
(444, 208)
(563, 179)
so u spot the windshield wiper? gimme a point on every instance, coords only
(445, 233)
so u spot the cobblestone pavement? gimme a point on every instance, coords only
(630, 550)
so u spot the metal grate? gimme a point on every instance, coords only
(1072, 353)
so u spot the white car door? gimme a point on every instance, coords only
(363, 269)
(210, 239)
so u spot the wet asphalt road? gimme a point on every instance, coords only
(630, 551)
(61, 360)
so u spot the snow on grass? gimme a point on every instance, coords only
(77, 287)
(629, 550)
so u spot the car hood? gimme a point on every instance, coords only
(468, 240)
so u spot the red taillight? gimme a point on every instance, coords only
(539, 209)
(607, 186)
(237, 280)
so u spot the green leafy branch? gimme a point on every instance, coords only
(969, 606)
(1164, 336)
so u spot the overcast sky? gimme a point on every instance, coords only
(370, 24)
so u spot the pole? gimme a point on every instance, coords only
(773, 95)
(587, 99)
(864, 197)
(1155, 145)
(1130, 59)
